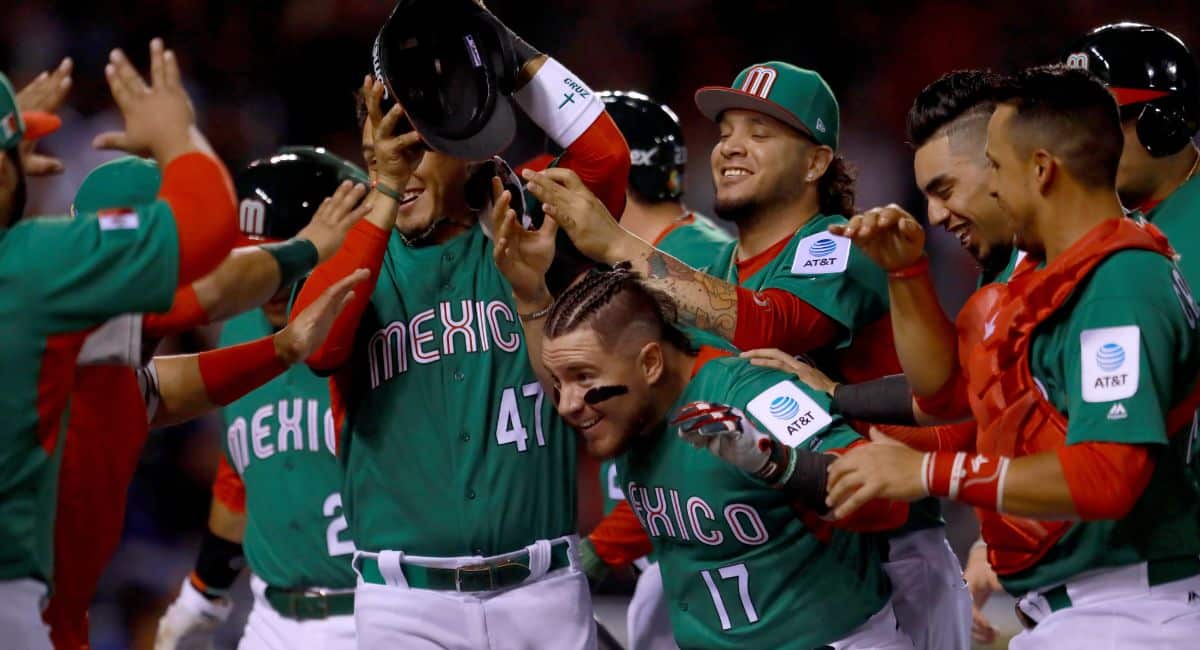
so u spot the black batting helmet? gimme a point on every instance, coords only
(1152, 75)
(655, 140)
(278, 195)
(451, 64)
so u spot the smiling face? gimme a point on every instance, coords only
(952, 172)
(1012, 181)
(580, 361)
(435, 190)
(759, 162)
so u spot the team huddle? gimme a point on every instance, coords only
(416, 352)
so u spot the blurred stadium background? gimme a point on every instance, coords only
(277, 72)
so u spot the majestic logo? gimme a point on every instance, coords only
(1110, 356)
(1078, 61)
(822, 247)
(1117, 412)
(1111, 359)
(784, 407)
(251, 216)
(759, 81)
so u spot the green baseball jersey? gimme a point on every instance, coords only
(62, 276)
(740, 568)
(450, 446)
(1114, 360)
(823, 270)
(280, 440)
(1176, 217)
(698, 242)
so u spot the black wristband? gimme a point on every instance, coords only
(296, 258)
(887, 400)
(218, 564)
(807, 481)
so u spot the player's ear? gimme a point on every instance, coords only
(1043, 168)
(651, 362)
(819, 159)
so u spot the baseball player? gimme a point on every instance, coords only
(1154, 78)
(1081, 373)
(947, 127)
(743, 564)
(655, 212)
(65, 276)
(431, 384)
(293, 534)
(107, 427)
(786, 283)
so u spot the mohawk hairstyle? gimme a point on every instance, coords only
(1070, 113)
(614, 302)
(960, 94)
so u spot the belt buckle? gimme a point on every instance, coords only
(472, 569)
(311, 596)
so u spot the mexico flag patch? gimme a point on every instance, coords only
(118, 219)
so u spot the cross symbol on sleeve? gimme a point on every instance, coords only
(567, 99)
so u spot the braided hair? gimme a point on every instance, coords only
(614, 301)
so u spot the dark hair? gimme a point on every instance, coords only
(613, 301)
(1070, 113)
(954, 95)
(835, 189)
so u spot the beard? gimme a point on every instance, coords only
(736, 211)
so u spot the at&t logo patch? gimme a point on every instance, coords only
(788, 413)
(1110, 360)
(784, 407)
(821, 253)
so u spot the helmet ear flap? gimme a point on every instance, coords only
(1165, 126)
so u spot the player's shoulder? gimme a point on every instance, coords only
(813, 250)
(1130, 275)
(704, 227)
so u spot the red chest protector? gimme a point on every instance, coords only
(1015, 419)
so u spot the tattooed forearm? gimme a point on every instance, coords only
(703, 301)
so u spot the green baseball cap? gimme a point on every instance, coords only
(16, 125)
(795, 96)
(124, 182)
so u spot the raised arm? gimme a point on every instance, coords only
(396, 156)
(187, 386)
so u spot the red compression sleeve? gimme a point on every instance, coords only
(875, 515)
(232, 372)
(228, 488)
(950, 402)
(364, 247)
(186, 313)
(619, 539)
(775, 318)
(197, 187)
(601, 159)
(943, 437)
(1105, 478)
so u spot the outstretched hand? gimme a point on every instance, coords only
(890, 236)
(308, 330)
(578, 211)
(523, 256)
(881, 469)
(335, 217)
(159, 120)
(44, 94)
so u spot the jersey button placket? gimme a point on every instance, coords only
(459, 376)
(466, 437)
(471, 494)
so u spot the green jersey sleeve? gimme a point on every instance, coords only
(827, 272)
(97, 265)
(789, 410)
(1125, 347)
